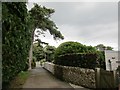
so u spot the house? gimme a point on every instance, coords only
(112, 60)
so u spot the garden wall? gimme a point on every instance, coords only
(75, 75)
(49, 67)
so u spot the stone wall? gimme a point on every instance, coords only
(79, 76)
(49, 67)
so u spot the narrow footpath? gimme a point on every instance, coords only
(41, 78)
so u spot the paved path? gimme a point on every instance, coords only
(41, 78)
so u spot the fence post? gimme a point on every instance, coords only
(97, 77)
(115, 79)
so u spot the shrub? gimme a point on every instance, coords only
(68, 48)
(33, 63)
(16, 39)
(49, 52)
(101, 60)
(38, 51)
(26, 66)
(42, 61)
(76, 54)
(77, 60)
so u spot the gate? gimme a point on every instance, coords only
(106, 79)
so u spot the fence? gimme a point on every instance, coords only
(106, 79)
(84, 77)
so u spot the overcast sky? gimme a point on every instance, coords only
(90, 23)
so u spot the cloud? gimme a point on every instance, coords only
(90, 23)
(87, 13)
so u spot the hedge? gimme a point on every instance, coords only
(15, 40)
(77, 60)
(69, 47)
(73, 47)
(76, 54)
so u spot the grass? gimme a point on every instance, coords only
(19, 80)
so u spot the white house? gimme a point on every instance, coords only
(112, 60)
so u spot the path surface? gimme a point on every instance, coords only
(40, 78)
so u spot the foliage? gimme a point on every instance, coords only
(15, 40)
(109, 48)
(41, 19)
(77, 60)
(38, 51)
(101, 60)
(89, 49)
(75, 54)
(101, 47)
(18, 27)
(43, 53)
(41, 42)
(68, 47)
(49, 53)
(19, 80)
(42, 61)
(73, 47)
(33, 63)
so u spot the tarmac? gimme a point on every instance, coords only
(41, 78)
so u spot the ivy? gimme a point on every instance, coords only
(16, 39)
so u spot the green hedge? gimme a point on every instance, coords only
(69, 47)
(15, 40)
(73, 47)
(78, 60)
(76, 54)
(101, 60)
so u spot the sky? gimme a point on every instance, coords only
(90, 23)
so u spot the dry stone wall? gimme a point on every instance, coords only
(79, 76)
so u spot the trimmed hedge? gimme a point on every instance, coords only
(76, 54)
(73, 47)
(69, 47)
(101, 60)
(78, 60)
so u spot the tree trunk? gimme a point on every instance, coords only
(31, 50)
(30, 55)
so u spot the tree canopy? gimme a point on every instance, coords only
(49, 53)
(41, 19)
(38, 52)
(102, 47)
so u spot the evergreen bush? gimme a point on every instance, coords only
(15, 39)
(76, 54)
(78, 60)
